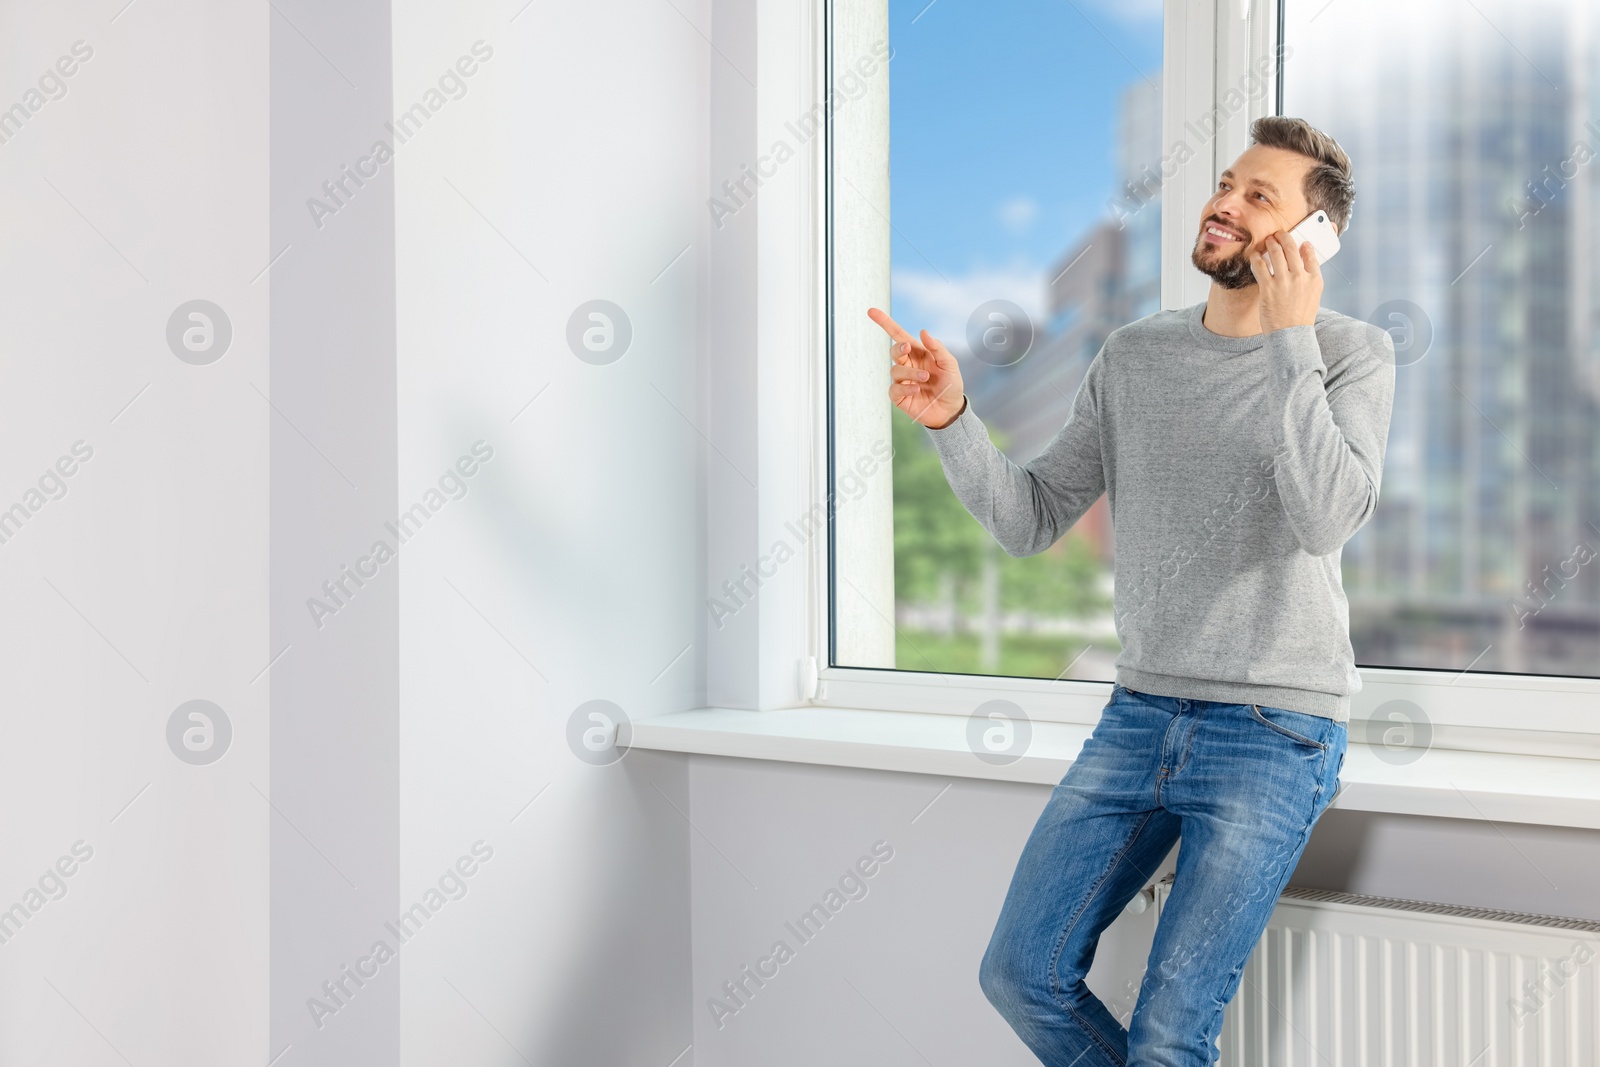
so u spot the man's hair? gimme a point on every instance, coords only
(1328, 185)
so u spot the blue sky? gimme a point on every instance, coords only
(1001, 141)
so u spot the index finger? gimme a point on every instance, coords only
(891, 327)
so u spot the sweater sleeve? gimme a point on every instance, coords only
(1330, 436)
(1027, 508)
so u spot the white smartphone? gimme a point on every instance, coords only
(1318, 229)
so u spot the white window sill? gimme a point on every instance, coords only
(1495, 787)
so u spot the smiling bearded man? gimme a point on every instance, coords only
(1240, 444)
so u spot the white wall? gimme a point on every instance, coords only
(334, 722)
(145, 586)
(177, 567)
(892, 978)
(572, 169)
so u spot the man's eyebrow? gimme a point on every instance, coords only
(1257, 182)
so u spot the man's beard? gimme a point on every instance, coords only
(1232, 272)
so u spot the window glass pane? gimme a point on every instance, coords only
(1023, 157)
(1473, 130)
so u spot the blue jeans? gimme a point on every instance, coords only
(1241, 785)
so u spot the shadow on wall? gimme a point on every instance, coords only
(1545, 870)
(631, 907)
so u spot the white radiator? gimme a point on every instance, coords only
(1341, 980)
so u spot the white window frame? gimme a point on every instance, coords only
(1210, 45)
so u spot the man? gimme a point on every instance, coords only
(1240, 443)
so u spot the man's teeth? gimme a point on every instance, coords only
(1221, 233)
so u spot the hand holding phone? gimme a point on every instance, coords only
(1318, 229)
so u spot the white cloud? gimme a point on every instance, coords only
(1018, 213)
(1130, 10)
(942, 305)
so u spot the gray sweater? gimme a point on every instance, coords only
(1236, 468)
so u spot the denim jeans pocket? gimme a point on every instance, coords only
(1284, 721)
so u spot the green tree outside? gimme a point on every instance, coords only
(943, 556)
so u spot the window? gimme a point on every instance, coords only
(1023, 218)
(1475, 240)
(1014, 170)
